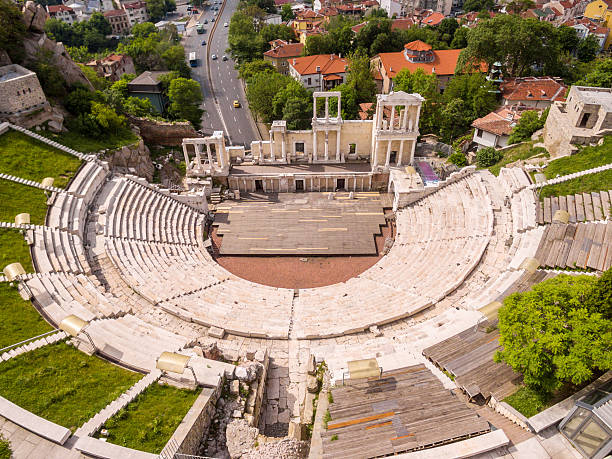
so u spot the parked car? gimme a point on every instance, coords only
(214, 57)
(224, 57)
(225, 25)
(203, 43)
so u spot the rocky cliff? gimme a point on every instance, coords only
(36, 41)
(165, 133)
(134, 159)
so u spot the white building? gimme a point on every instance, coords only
(319, 72)
(393, 7)
(494, 129)
(136, 12)
(62, 12)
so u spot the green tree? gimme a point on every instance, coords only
(460, 38)
(318, 44)
(244, 43)
(447, 28)
(12, 30)
(588, 48)
(529, 122)
(61, 31)
(249, 69)
(98, 22)
(360, 77)
(185, 99)
(488, 156)
(478, 5)
(600, 75)
(297, 112)
(476, 91)
(261, 90)
(271, 32)
(138, 107)
(174, 59)
(519, 6)
(519, 44)
(427, 86)
(287, 12)
(458, 159)
(292, 90)
(568, 38)
(143, 29)
(107, 118)
(51, 79)
(157, 9)
(348, 100)
(453, 121)
(552, 336)
(79, 101)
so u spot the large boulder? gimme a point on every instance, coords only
(240, 437)
(133, 159)
(34, 17)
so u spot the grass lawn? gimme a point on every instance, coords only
(85, 144)
(150, 420)
(528, 402)
(17, 198)
(522, 151)
(5, 449)
(13, 248)
(31, 159)
(19, 318)
(62, 384)
(585, 184)
(587, 158)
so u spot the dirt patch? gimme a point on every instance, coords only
(297, 271)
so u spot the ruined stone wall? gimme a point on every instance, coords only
(164, 132)
(133, 159)
(20, 93)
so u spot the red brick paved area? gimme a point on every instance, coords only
(292, 272)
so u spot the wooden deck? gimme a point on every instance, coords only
(580, 206)
(576, 245)
(301, 224)
(468, 356)
(406, 410)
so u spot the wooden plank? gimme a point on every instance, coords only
(585, 245)
(588, 206)
(579, 207)
(554, 205)
(575, 249)
(597, 207)
(540, 213)
(605, 203)
(563, 203)
(571, 208)
(598, 240)
(547, 214)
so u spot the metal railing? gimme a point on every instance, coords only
(28, 340)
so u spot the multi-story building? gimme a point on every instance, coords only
(136, 12)
(416, 55)
(62, 12)
(118, 20)
(280, 54)
(113, 66)
(586, 27)
(320, 72)
(494, 129)
(532, 92)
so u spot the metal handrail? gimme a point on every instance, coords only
(28, 340)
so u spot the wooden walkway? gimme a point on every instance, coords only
(576, 245)
(406, 410)
(468, 356)
(301, 224)
(580, 206)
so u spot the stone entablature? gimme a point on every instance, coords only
(20, 91)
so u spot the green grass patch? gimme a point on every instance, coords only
(150, 420)
(20, 320)
(5, 448)
(13, 247)
(31, 159)
(522, 151)
(528, 402)
(587, 158)
(85, 144)
(62, 384)
(585, 184)
(17, 198)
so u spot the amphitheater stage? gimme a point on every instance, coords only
(300, 224)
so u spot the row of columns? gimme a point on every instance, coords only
(406, 122)
(365, 183)
(315, 153)
(199, 149)
(400, 156)
(283, 147)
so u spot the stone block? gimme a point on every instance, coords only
(271, 414)
(312, 366)
(273, 389)
(308, 408)
(216, 332)
(284, 416)
(312, 385)
(235, 387)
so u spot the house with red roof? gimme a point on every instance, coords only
(533, 92)
(396, 24)
(433, 19)
(494, 129)
(416, 55)
(62, 13)
(471, 19)
(136, 12)
(281, 52)
(586, 27)
(113, 66)
(321, 72)
(118, 21)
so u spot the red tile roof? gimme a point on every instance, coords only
(285, 50)
(533, 88)
(444, 63)
(327, 63)
(591, 25)
(58, 8)
(281, 2)
(499, 122)
(134, 5)
(417, 45)
(433, 19)
(111, 13)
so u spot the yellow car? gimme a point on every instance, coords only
(236, 104)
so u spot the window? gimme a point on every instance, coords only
(591, 437)
(352, 148)
(478, 132)
(584, 120)
(308, 82)
(299, 147)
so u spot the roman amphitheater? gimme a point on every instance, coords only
(413, 272)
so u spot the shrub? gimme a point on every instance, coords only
(5, 448)
(458, 159)
(488, 156)
(529, 122)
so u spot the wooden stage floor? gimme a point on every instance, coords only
(300, 224)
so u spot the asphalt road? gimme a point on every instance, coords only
(235, 122)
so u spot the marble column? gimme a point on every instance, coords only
(388, 158)
(401, 153)
(186, 155)
(326, 145)
(412, 151)
(338, 158)
(391, 119)
(272, 155)
(314, 145)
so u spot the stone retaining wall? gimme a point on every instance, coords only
(194, 426)
(164, 132)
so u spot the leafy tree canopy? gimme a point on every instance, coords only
(600, 74)
(529, 122)
(185, 98)
(557, 332)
